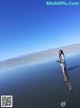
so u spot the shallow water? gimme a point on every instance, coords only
(42, 85)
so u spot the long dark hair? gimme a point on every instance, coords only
(61, 52)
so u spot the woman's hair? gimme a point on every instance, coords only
(61, 52)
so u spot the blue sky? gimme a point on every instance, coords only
(28, 26)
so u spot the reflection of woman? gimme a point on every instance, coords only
(67, 80)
